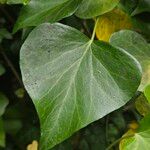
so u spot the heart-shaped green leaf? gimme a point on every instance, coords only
(39, 11)
(93, 8)
(74, 81)
(141, 138)
(137, 46)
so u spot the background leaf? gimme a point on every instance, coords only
(2, 134)
(3, 103)
(128, 5)
(14, 1)
(147, 92)
(90, 8)
(143, 6)
(71, 81)
(4, 34)
(37, 12)
(137, 46)
(2, 70)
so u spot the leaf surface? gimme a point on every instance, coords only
(74, 81)
(93, 8)
(39, 11)
(137, 46)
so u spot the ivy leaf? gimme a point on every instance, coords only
(90, 8)
(37, 12)
(74, 81)
(3, 103)
(117, 19)
(143, 6)
(141, 138)
(137, 46)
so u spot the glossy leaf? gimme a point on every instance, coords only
(90, 8)
(71, 81)
(39, 11)
(140, 139)
(3, 103)
(117, 19)
(137, 46)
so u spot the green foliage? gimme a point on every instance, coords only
(142, 105)
(70, 79)
(2, 70)
(90, 8)
(74, 81)
(4, 34)
(2, 134)
(3, 103)
(147, 92)
(128, 5)
(14, 1)
(137, 46)
(37, 12)
(143, 6)
(141, 138)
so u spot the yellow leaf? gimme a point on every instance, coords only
(111, 22)
(33, 146)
